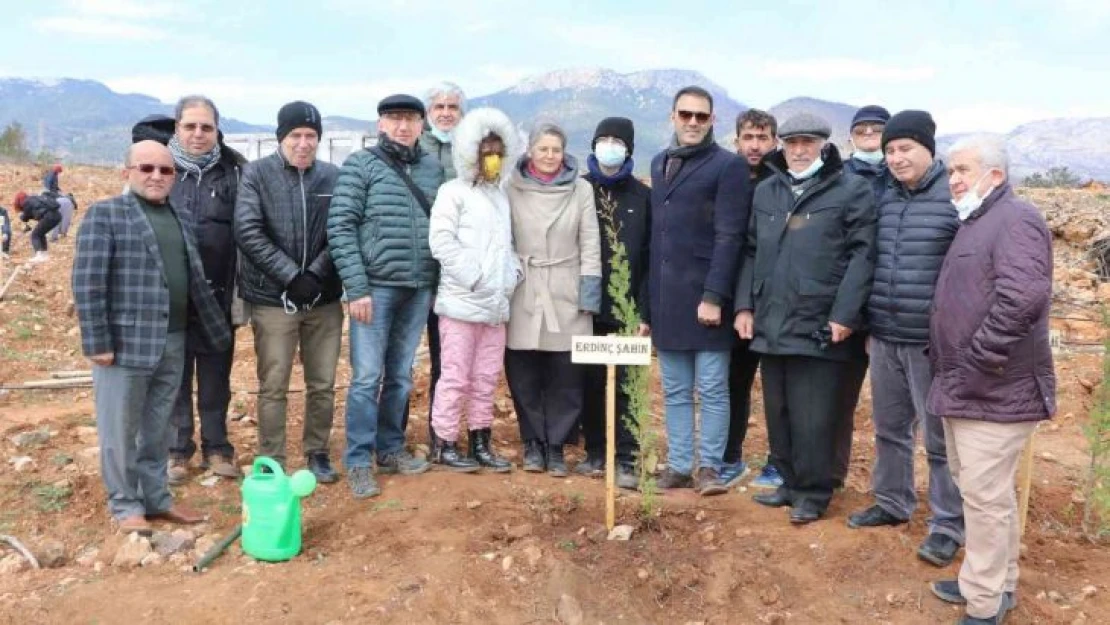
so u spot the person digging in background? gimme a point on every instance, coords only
(44, 210)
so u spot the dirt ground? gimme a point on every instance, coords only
(516, 548)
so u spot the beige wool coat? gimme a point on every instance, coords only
(556, 237)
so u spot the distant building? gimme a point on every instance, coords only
(335, 146)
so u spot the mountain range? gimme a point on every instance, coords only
(85, 121)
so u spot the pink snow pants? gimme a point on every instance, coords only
(471, 357)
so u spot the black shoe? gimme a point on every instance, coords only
(534, 460)
(592, 466)
(672, 479)
(320, 465)
(627, 478)
(874, 516)
(938, 550)
(448, 456)
(803, 514)
(556, 463)
(482, 451)
(777, 498)
(948, 591)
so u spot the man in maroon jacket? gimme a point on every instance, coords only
(993, 376)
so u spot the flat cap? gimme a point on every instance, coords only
(401, 102)
(805, 125)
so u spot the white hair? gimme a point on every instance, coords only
(442, 89)
(991, 150)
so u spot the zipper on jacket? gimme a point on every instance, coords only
(304, 223)
(412, 231)
(893, 256)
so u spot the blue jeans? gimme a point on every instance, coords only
(382, 353)
(708, 372)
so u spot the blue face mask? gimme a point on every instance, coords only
(874, 157)
(808, 173)
(610, 154)
(444, 136)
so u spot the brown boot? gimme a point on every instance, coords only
(178, 514)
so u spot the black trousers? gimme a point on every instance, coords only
(743, 363)
(855, 372)
(38, 236)
(213, 375)
(803, 398)
(593, 409)
(433, 356)
(547, 394)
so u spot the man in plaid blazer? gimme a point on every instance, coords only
(138, 283)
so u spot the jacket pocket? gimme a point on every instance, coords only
(123, 319)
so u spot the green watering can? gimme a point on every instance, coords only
(272, 510)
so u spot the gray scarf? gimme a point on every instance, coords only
(674, 150)
(196, 165)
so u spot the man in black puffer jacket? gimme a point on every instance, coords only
(203, 194)
(916, 225)
(287, 276)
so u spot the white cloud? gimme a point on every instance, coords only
(258, 102)
(1000, 117)
(841, 69)
(126, 9)
(99, 28)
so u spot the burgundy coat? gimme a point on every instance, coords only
(989, 322)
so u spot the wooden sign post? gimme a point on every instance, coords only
(610, 351)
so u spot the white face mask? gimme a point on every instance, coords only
(610, 153)
(874, 157)
(809, 172)
(971, 201)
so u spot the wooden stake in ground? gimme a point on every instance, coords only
(11, 279)
(1025, 480)
(610, 351)
(611, 447)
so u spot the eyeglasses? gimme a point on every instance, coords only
(148, 168)
(864, 128)
(700, 116)
(192, 127)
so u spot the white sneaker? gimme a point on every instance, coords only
(39, 257)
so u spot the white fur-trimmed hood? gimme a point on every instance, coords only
(475, 126)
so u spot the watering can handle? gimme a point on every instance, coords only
(269, 463)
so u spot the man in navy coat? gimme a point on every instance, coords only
(700, 201)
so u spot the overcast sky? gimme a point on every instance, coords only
(975, 64)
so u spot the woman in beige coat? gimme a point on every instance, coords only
(556, 236)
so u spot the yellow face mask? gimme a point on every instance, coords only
(491, 166)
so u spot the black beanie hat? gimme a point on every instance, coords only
(401, 102)
(916, 125)
(298, 115)
(870, 113)
(619, 127)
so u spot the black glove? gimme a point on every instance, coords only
(304, 289)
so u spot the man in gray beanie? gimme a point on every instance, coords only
(803, 287)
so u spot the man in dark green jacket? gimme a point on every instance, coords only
(803, 287)
(378, 236)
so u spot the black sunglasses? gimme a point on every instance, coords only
(688, 115)
(148, 168)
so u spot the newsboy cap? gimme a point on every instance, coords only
(401, 102)
(805, 125)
